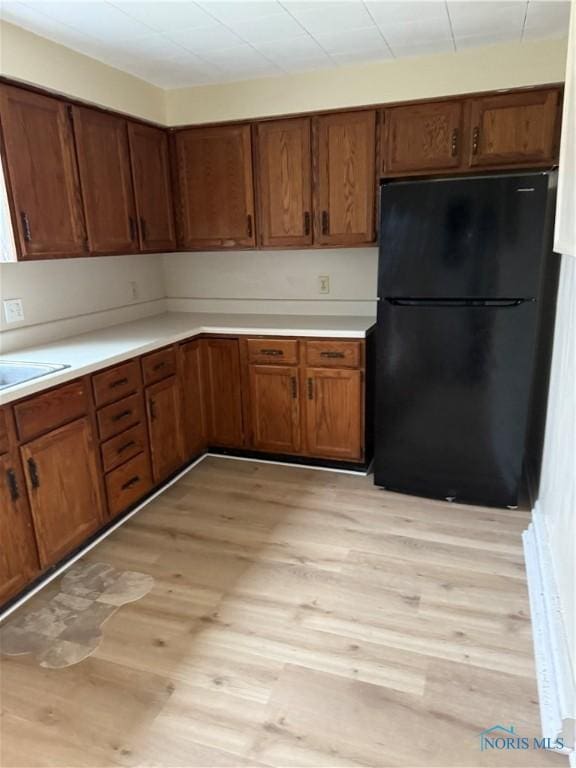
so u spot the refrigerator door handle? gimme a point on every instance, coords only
(456, 302)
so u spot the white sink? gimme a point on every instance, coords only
(12, 372)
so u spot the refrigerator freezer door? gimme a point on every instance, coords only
(452, 397)
(463, 238)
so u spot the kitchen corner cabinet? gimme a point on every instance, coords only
(63, 483)
(284, 182)
(214, 187)
(152, 187)
(223, 393)
(422, 137)
(193, 408)
(42, 175)
(334, 426)
(107, 191)
(345, 178)
(511, 128)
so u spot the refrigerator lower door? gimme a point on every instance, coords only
(452, 398)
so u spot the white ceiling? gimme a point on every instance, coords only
(176, 43)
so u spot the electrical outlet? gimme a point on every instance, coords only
(134, 291)
(323, 283)
(13, 310)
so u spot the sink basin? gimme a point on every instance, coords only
(12, 373)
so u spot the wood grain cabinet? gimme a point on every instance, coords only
(275, 408)
(223, 392)
(334, 413)
(213, 176)
(422, 137)
(345, 178)
(42, 175)
(63, 483)
(105, 174)
(152, 187)
(193, 407)
(514, 128)
(163, 409)
(284, 182)
(18, 555)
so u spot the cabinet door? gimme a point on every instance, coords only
(275, 408)
(345, 187)
(104, 160)
(166, 445)
(514, 128)
(42, 175)
(215, 206)
(334, 406)
(18, 556)
(422, 137)
(284, 182)
(152, 187)
(64, 489)
(222, 386)
(193, 410)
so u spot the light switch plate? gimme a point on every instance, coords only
(13, 310)
(324, 283)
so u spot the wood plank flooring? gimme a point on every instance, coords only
(298, 618)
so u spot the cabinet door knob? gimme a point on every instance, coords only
(33, 473)
(12, 485)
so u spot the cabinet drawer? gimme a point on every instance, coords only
(117, 417)
(124, 446)
(45, 412)
(334, 354)
(159, 365)
(3, 433)
(116, 383)
(127, 484)
(271, 351)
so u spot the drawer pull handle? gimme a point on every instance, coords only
(12, 485)
(332, 355)
(294, 387)
(121, 415)
(159, 366)
(130, 483)
(118, 383)
(272, 352)
(125, 447)
(310, 389)
(33, 472)
(454, 143)
(475, 140)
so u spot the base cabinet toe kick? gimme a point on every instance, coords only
(79, 456)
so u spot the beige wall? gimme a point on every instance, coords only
(35, 60)
(498, 66)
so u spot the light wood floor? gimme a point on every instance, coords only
(299, 618)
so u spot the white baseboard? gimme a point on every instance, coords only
(556, 690)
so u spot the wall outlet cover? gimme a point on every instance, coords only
(13, 310)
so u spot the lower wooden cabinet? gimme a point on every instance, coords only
(193, 408)
(334, 413)
(18, 556)
(63, 482)
(275, 408)
(163, 409)
(128, 483)
(223, 396)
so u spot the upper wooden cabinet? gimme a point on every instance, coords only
(152, 187)
(284, 182)
(512, 128)
(42, 175)
(345, 183)
(104, 160)
(422, 137)
(213, 174)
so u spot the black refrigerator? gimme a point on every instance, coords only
(466, 295)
